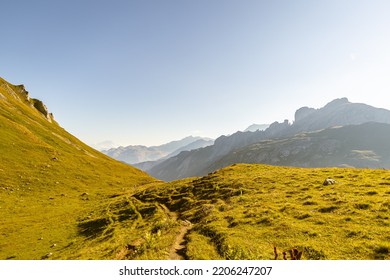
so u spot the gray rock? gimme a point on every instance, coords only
(302, 113)
(329, 181)
(38, 104)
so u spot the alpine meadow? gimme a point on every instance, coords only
(60, 199)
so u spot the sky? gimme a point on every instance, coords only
(146, 72)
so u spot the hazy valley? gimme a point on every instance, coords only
(139, 154)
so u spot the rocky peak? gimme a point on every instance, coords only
(22, 92)
(302, 113)
(41, 107)
(337, 102)
(275, 128)
(35, 103)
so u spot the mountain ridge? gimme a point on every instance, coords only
(135, 154)
(344, 146)
(339, 112)
(255, 127)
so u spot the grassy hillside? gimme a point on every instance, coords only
(53, 187)
(243, 211)
(60, 199)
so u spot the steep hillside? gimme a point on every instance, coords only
(53, 188)
(339, 112)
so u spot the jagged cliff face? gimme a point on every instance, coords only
(20, 93)
(344, 146)
(38, 104)
(339, 112)
(302, 113)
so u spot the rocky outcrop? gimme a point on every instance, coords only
(23, 93)
(329, 181)
(338, 112)
(276, 128)
(20, 93)
(302, 113)
(38, 104)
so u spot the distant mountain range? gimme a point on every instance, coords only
(137, 154)
(310, 131)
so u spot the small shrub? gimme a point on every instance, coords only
(327, 209)
(94, 227)
(381, 253)
(382, 250)
(203, 212)
(313, 254)
(352, 234)
(302, 217)
(362, 206)
(149, 240)
(233, 224)
(310, 203)
(265, 222)
(371, 193)
(385, 206)
(236, 253)
(160, 226)
(147, 210)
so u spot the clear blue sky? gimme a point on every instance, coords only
(148, 72)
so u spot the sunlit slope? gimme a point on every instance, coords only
(49, 180)
(60, 199)
(243, 211)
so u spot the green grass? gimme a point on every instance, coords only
(243, 211)
(59, 196)
(44, 172)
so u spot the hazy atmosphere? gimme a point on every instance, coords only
(148, 72)
(170, 129)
